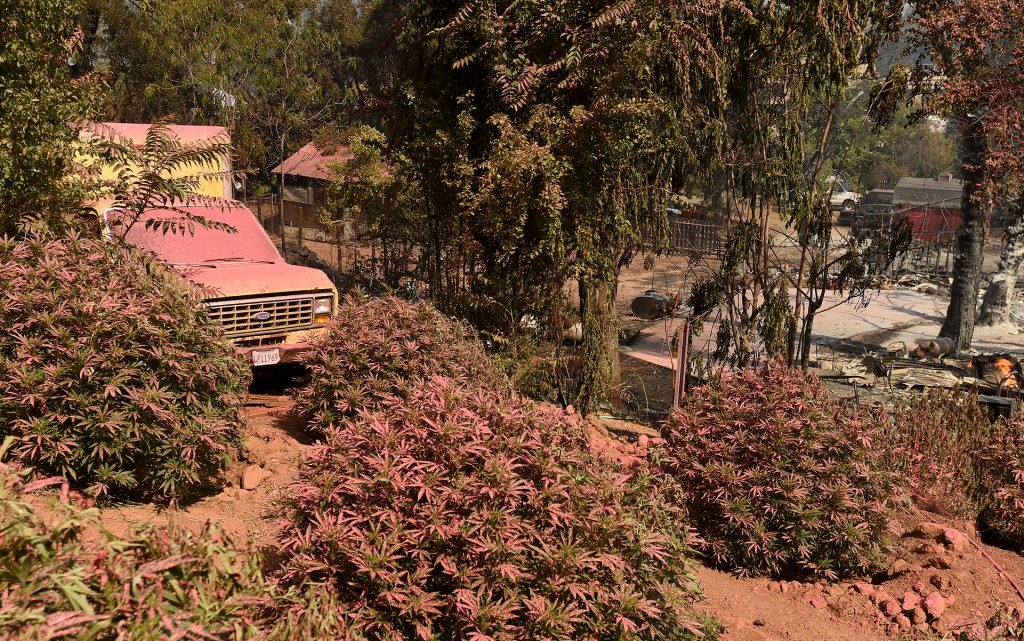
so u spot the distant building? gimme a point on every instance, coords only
(304, 177)
(932, 205)
(218, 184)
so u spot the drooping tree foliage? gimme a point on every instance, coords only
(39, 108)
(542, 139)
(791, 99)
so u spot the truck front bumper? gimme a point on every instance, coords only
(271, 350)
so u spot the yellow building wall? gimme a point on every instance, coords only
(217, 185)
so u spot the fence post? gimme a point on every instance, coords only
(337, 239)
(682, 364)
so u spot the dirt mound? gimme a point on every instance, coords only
(273, 447)
(942, 580)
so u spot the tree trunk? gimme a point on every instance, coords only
(600, 349)
(970, 241)
(995, 308)
(808, 327)
(280, 211)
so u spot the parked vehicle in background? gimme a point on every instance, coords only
(269, 309)
(872, 215)
(842, 198)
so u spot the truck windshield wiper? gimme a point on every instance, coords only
(193, 265)
(237, 259)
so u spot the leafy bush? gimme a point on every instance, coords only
(778, 478)
(112, 375)
(378, 347)
(959, 461)
(451, 512)
(65, 578)
(160, 584)
(1002, 490)
(934, 441)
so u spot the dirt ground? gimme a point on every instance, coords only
(971, 587)
(273, 441)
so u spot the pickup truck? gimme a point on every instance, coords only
(842, 197)
(268, 309)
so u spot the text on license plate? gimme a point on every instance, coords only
(265, 357)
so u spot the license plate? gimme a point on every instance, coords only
(266, 357)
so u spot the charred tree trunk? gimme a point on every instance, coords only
(806, 337)
(970, 241)
(995, 308)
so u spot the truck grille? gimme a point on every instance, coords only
(255, 316)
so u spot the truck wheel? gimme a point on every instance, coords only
(848, 205)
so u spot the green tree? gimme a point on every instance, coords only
(40, 107)
(372, 195)
(543, 138)
(906, 146)
(268, 71)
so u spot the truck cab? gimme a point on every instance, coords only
(270, 310)
(842, 197)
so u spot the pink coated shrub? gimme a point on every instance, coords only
(1003, 468)
(111, 375)
(379, 347)
(453, 512)
(55, 583)
(959, 461)
(778, 478)
(65, 578)
(935, 441)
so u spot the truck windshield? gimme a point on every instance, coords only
(248, 243)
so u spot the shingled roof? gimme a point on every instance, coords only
(944, 191)
(311, 162)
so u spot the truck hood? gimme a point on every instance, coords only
(234, 279)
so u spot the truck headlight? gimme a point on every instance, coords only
(323, 309)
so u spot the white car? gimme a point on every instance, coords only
(843, 198)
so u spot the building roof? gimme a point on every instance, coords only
(135, 132)
(944, 191)
(311, 162)
(878, 197)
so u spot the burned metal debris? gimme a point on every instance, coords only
(933, 363)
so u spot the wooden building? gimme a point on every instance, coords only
(304, 177)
